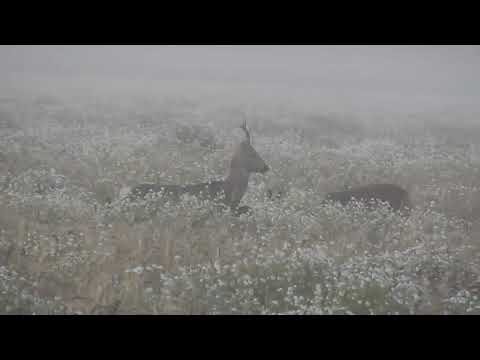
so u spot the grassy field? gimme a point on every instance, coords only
(68, 245)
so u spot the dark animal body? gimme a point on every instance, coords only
(393, 195)
(228, 192)
(206, 191)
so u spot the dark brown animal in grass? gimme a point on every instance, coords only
(229, 191)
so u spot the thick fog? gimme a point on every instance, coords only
(350, 78)
(222, 179)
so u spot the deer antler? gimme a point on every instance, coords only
(244, 127)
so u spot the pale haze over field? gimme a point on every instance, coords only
(242, 180)
(354, 78)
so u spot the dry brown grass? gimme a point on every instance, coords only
(67, 249)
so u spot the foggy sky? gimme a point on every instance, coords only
(362, 75)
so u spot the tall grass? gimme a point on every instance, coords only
(69, 244)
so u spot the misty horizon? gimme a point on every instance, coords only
(239, 180)
(361, 77)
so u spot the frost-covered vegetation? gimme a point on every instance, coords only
(69, 245)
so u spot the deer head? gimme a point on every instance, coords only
(246, 157)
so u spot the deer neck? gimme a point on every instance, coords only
(237, 183)
(238, 177)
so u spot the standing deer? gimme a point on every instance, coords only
(394, 195)
(229, 191)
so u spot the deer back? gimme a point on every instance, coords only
(206, 191)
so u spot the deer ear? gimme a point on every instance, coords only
(245, 129)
